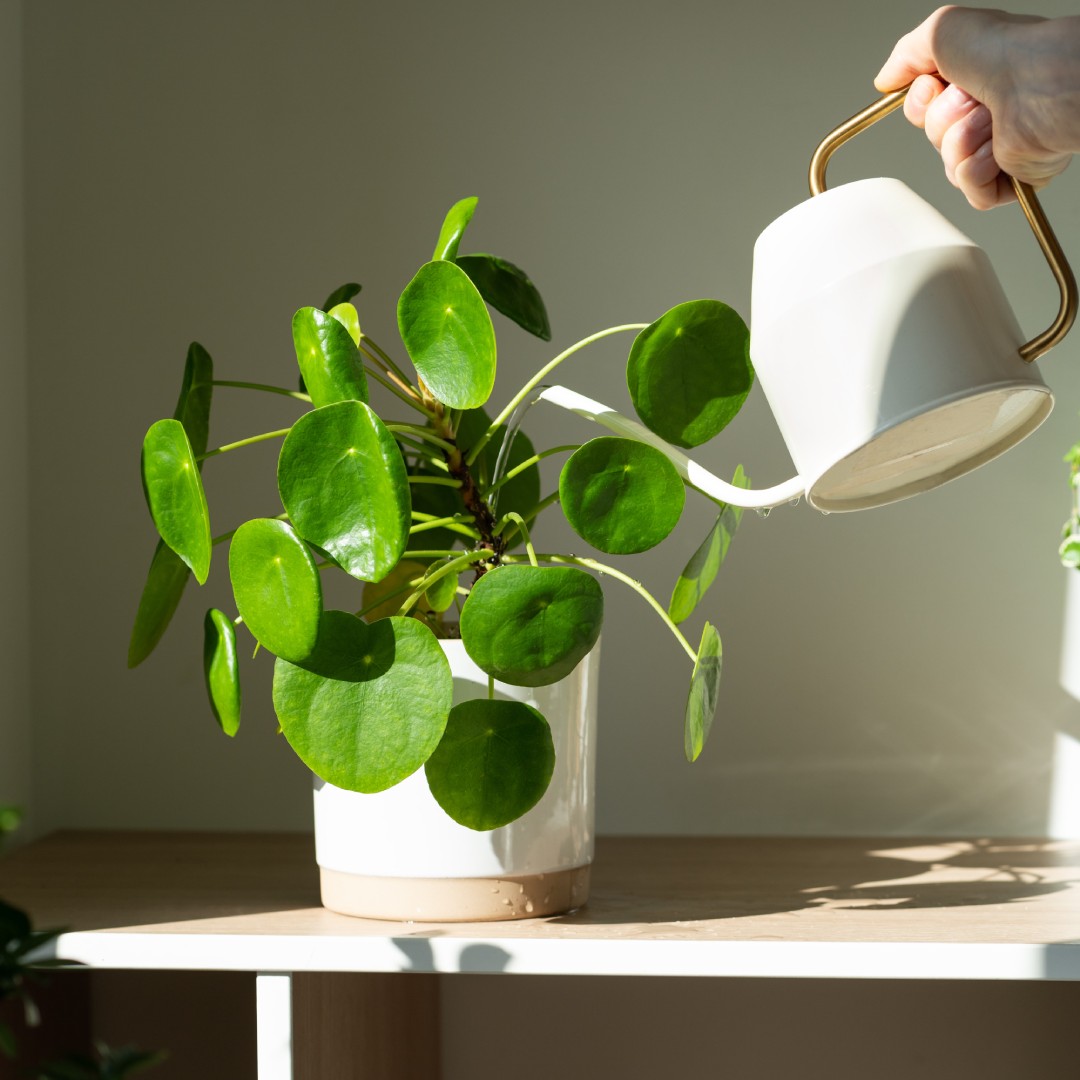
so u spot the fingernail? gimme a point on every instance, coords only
(921, 93)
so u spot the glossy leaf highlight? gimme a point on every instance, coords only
(342, 481)
(689, 372)
(221, 670)
(620, 495)
(369, 705)
(329, 360)
(531, 626)
(704, 692)
(174, 493)
(276, 586)
(447, 332)
(705, 563)
(508, 290)
(494, 763)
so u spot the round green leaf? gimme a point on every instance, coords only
(704, 691)
(161, 595)
(196, 391)
(507, 289)
(453, 227)
(621, 495)
(532, 625)
(447, 332)
(493, 764)
(174, 493)
(369, 705)
(222, 670)
(689, 372)
(276, 587)
(342, 481)
(329, 360)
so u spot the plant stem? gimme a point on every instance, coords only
(262, 386)
(441, 553)
(533, 514)
(441, 481)
(429, 521)
(386, 359)
(232, 532)
(524, 530)
(452, 567)
(491, 688)
(538, 378)
(602, 568)
(424, 434)
(426, 452)
(244, 442)
(394, 387)
(529, 462)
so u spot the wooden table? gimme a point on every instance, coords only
(729, 907)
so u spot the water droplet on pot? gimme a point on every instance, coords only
(762, 511)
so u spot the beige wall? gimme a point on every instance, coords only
(198, 174)
(199, 170)
(15, 727)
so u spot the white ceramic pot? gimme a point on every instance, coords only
(396, 855)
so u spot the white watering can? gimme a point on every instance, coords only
(884, 343)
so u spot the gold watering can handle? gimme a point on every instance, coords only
(1025, 195)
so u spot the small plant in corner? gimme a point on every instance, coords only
(433, 512)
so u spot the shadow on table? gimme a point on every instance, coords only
(748, 877)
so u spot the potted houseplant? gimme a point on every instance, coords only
(431, 699)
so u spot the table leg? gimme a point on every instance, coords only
(273, 1010)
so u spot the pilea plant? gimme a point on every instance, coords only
(434, 515)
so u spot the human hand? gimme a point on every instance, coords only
(997, 94)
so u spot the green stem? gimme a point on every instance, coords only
(453, 567)
(386, 359)
(429, 521)
(524, 529)
(529, 462)
(263, 386)
(441, 481)
(533, 514)
(491, 688)
(244, 442)
(429, 553)
(425, 434)
(602, 568)
(386, 597)
(396, 390)
(538, 378)
(430, 456)
(232, 532)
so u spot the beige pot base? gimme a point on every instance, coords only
(455, 899)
